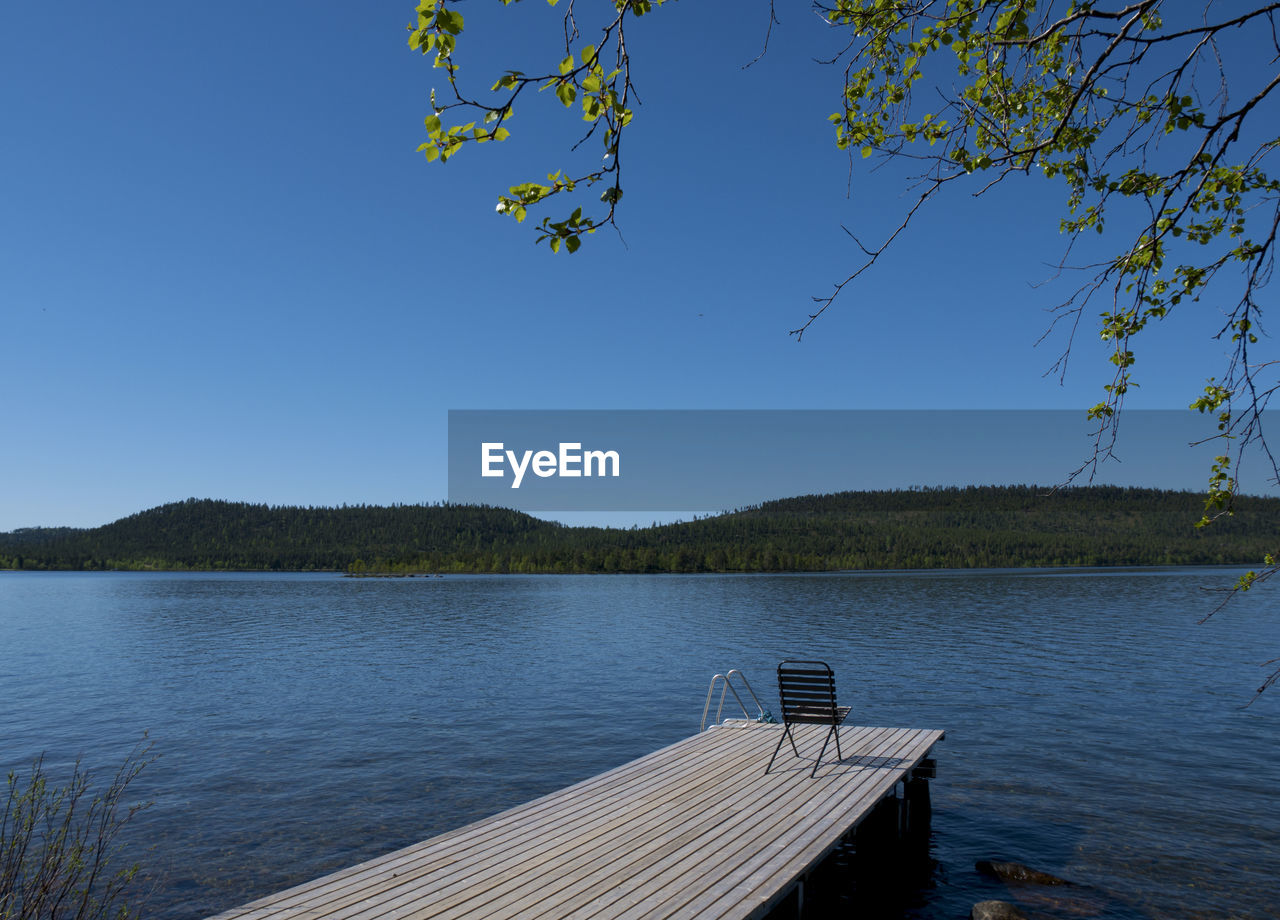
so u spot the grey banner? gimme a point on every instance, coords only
(714, 460)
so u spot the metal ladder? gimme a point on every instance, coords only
(726, 687)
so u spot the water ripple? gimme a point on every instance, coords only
(310, 722)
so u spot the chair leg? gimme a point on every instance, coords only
(823, 751)
(836, 729)
(785, 732)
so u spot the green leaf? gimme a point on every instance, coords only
(566, 92)
(572, 243)
(450, 21)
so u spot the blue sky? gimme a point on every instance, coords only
(226, 272)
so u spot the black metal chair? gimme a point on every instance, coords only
(808, 693)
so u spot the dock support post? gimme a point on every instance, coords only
(918, 810)
(878, 834)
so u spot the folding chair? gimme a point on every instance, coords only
(808, 693)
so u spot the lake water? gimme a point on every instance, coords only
(308, 722)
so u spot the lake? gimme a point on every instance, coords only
(308, 722)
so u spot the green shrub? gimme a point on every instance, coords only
(59, 845)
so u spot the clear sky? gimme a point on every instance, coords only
(226, 272)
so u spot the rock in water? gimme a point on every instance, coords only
(995, 910)
(1016, 872)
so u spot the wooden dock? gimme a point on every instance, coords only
(695, 830)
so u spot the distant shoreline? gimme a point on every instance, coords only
(975, 527)
(1099, 568)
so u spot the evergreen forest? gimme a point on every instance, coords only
(960, 527)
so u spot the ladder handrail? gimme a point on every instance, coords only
(728, 688)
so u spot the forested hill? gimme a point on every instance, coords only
(978, 526)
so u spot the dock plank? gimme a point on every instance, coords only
(719, 847)
(508, 829)
(694, 830)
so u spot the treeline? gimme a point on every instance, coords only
(973, 527)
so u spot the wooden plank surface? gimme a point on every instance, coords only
(695, 830)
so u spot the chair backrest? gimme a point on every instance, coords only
(808, 692)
